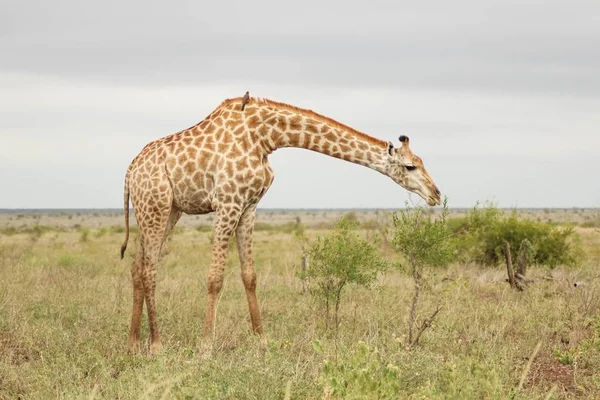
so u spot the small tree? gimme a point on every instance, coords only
(423, 239)
(338, 259)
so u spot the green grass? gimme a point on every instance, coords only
(65, 306)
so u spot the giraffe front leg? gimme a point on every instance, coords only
(244, 234)
(225, 224)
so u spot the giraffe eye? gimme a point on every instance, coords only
(411, 167)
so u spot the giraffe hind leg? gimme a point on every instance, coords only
(153, 239)
(138, 302)
(153, 214)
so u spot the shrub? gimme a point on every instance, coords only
(341, 258)
(423, 239)
(480, 238)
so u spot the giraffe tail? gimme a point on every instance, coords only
(126, 209)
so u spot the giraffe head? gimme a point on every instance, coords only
(407, 170)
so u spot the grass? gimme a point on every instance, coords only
(65, 305)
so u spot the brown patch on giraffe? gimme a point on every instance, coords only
(189, 167)
(191, 152)
(253, 122)
(197, 176)
(256, 183)
(210, 128)
(203, 160)
(345, 149)
(171, 162)
(266, 114)
(235, 151)
(229, 168)
(228, 188)
(227, 138)
(294, 139)
(245, 144)
(311, 128)
(296, 123)
(222, 147)
(263, 130)
(177, 174)
(241, 164)
(276, 137)
(182, 159)
(330, 136)
(239, 131)
(281, 124)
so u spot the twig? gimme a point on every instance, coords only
(509, 267)
(426, 324)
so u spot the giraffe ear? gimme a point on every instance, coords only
(390, 148)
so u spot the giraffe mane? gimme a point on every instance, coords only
(308, 112)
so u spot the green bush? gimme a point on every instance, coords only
(423, 240)
(338, 259)
(479, 237)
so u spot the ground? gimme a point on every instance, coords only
(66, 297)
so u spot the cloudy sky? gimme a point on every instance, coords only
(500, 98)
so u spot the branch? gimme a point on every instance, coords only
(426, 324)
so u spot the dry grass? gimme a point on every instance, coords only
(65, 304)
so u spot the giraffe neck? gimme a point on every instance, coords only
(280, 125)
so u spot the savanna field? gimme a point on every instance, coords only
(66, 298)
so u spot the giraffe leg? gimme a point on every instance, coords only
(149, 279)
(153, 222)
(244, 233)
(138, 302)
(225, 224)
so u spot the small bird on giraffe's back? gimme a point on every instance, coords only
(245, 100)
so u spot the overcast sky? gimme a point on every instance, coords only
(500, 98)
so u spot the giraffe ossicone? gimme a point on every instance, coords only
(221, 165)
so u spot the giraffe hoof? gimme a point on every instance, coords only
(264, 343)
(134, 348)
(156, 349)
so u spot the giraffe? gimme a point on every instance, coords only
(221, 165)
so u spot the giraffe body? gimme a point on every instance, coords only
(221, 165)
